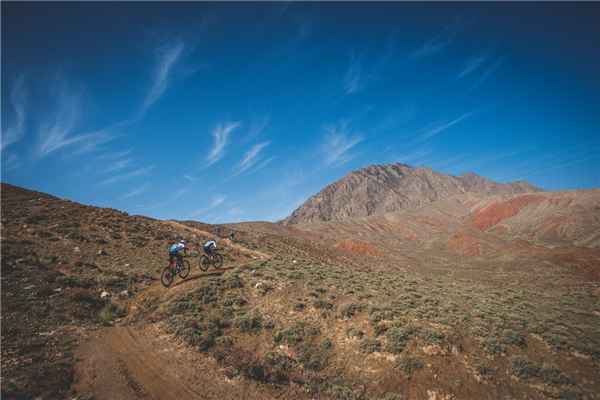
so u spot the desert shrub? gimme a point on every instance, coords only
(431, 336)
(379, 314)
(233, 299)
(296, 333)
(513, 338)
(109, 312)
(493, 346)
(391, 396)
(278, 366)
(569, 395)
(557, 340)
(409, 364)
(350, 310)
(341, 392)
(397, 338)
(249, 323)
(226, 341)
(380, 329)
(299, 306)
(552, 375)
(368, 345)
(484, 371)
(522, 368)
(207, 294)
(312, 357)
(354, 333)
(233, 282)
(322, 305)
(326, 344)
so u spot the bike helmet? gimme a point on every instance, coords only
(182, 241)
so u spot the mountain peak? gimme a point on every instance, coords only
(378, 189)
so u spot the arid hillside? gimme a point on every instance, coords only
(473, 296)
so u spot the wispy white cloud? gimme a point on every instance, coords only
(167, 58)
(118, 165)
(353, 77)
(415, 157)
(432, 47)
(114, 155)
(489, 71)
(57, 132)
(221, 137)
(128, 175)
(11, 162)
(257, 127)
(136, 191)
(562, 162)
(215, 201)
(472, 64)
(251, 157)
(338, 142)
(18, 100)
(190, 178)
(435, 130)
(261, 165)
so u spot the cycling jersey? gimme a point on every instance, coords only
(175, 248)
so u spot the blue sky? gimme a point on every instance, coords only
(240, 111)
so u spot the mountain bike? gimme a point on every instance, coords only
(179, 267)
(215, 259)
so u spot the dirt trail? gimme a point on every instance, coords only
(141, 362)
(227, 242)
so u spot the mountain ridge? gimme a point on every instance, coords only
(379, 189)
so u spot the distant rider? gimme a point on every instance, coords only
(209, 247)
(177, 251)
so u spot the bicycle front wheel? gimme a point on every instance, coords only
(167, 277)
(185, 269)
(204, 263)
(218, 260)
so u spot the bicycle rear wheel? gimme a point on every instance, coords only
(185, 269)
(167, 277)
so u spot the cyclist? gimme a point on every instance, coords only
(177, 251)
(209, 247)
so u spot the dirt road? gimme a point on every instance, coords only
(140, 362)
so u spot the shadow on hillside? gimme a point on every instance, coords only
(201, 275)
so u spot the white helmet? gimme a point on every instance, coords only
(182, 241)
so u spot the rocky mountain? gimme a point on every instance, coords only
(380, 189)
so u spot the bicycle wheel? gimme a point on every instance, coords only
(185, 269)
(204, 263)
(218, 260)
(167, 276)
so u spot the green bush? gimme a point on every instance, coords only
(322, 305)
(295, 334)
(354, 333)
(398, 337)
(368, 345)
(109, 312)
(350, 310)
(522, 368)
(431, 336)
(249, 323)
(409, 364)
(513, 338)
(492, 346)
